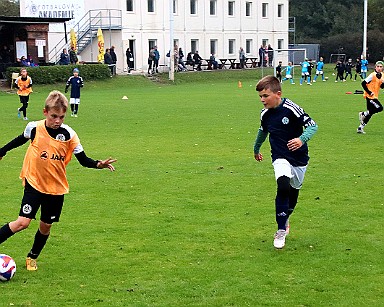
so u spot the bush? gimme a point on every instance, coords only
(61, 73)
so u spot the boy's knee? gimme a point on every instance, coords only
(45, 228)
(20, 224)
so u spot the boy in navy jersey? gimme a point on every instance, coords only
(289, 129)
(75, 82)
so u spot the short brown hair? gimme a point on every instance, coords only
(57, 101)
(269, 82)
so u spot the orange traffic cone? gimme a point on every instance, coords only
(239, 85)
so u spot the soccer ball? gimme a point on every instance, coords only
(326, 78)
(7, 267)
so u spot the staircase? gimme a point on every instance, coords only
(86, 31)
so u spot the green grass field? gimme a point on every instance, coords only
(187, 219)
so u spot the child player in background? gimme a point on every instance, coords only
(75, 82)
(319, 69)
(24, 88)
(304, 72)
(364, 67)
(278, 70)
(289, 73)
(372, 85)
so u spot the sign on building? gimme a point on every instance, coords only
(54, 9)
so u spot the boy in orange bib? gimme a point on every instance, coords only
(372, 85)
(44, 172)
(24, 88)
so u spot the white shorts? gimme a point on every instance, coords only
(319, 72)
(74, 100)
(364, 70)
(288, 76)
(303, 74)
(296, 173)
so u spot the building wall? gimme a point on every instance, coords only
(37, 32)
(140, 26)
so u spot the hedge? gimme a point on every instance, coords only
(61, 73)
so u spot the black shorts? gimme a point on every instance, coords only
(51, 205)
(24, 99)
(374, 106)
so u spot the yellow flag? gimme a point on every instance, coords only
(73, 40)
(100, 44)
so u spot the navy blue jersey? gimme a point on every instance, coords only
(76, 83)
(284, 123)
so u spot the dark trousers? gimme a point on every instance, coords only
(24, 100)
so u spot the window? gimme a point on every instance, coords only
(248, 9)
(264, 9)
(231, 8)
(280, 8)
(151, 43)
(231, 46)
(193, 7)
(248, 46)
(129, 5)
(280, 44)
(264, 42)
(174, 6)
(151, 6)
(194, 45)
(213, 46)
(212, 7)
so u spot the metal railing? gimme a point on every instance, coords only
(86, 30)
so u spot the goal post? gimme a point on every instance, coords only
(296, 56)
(337, 57)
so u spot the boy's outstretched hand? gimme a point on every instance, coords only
(106, 164)
(258, 157)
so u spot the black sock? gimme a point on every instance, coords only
(282, 201)
(5, 233)
(72, 107)
(293, 196)
(38, 244)
(76, 108)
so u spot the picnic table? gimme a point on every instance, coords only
(223, 63)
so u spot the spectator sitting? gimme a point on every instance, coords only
(64, 57)
(24, 62)
(197, 60)
(31, 62)
(27, 62)
(213, 61)
(181, 60)
(190, 59)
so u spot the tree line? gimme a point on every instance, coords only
(338, 25)
(9, 8)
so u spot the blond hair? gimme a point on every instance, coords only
(57, 101)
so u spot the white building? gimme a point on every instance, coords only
(209, 26)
